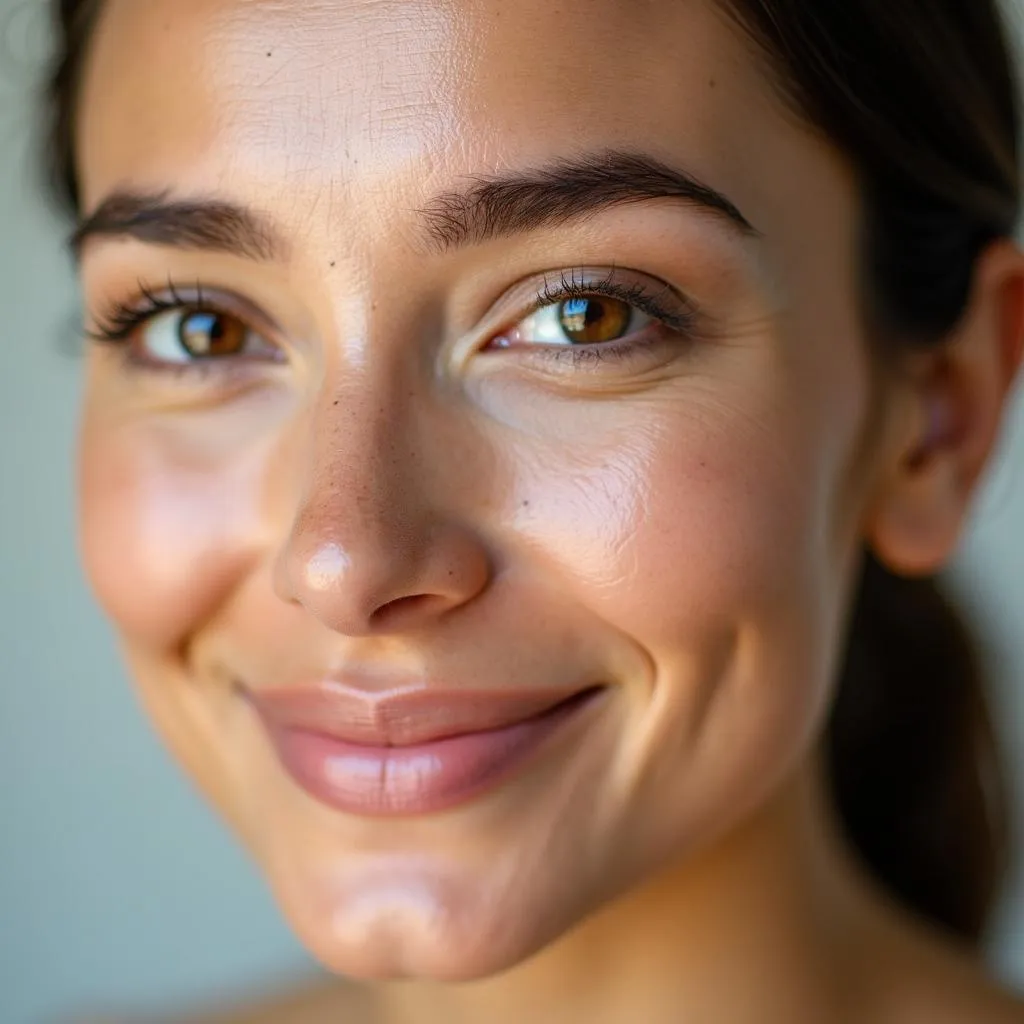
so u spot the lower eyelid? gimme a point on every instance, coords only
(214, 372)
(653, 338)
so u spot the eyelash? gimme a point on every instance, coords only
(121, 320)
(683, 322)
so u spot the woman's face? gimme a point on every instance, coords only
(489, 398)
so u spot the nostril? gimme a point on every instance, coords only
(410, 606)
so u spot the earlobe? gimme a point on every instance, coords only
(916, 522)
(918, 508)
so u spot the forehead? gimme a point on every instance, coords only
(357, 94)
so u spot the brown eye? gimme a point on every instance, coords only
(183, 335)
(207, 334)
(579, 321)
(594, 318)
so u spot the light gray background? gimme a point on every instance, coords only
(118, 888)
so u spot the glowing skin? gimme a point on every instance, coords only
(380, 487)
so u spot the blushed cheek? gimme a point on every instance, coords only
(699, 535)
(687, 525)
(726, 535)
(163, 542)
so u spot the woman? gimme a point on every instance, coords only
(520, 440)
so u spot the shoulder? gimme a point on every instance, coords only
(937, 979)
(983, 1002)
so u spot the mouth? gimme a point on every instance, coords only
(410, 752)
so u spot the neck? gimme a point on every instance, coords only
(767, 925)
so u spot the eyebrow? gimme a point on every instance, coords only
(487, 207)
(202, 223)
(493, 206)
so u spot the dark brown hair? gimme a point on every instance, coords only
(921, 98)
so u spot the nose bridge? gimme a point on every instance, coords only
(368, 547)
(360, 465)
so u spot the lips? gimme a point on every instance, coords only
(409, 751)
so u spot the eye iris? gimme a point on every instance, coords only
(594, 318)
(211, 334)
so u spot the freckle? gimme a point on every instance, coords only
(337, 401)
(332, 263)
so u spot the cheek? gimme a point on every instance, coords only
(707, 541)
(691, 517)
(164, 536)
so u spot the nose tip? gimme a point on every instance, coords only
(395, 584)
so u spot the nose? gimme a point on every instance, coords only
(370, 549)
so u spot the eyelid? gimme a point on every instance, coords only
(150, 302)
(652, 295)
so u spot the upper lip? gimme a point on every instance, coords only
(400, 716)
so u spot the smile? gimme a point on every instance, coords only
(409, 752)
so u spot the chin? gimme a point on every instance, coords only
(399, 941)
(409, 921)
(398, 960)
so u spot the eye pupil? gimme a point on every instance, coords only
(211, 334)
(593, 318)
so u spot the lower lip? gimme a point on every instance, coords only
(429, 777)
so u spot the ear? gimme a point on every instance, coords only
(953, 399)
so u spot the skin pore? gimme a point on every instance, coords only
(404, 471)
